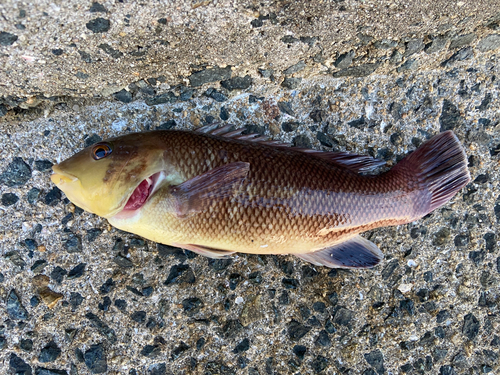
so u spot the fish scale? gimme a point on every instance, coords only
(313, 183)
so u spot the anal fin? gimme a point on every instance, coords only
(205, 251)
(356, 252)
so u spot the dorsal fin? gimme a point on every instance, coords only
(353, 162)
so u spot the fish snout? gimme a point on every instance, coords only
(60, 177)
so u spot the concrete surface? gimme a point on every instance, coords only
(80, 297)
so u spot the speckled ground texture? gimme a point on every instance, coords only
(80, 297)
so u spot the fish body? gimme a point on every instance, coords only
(218, 193)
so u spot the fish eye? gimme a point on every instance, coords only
(101, 150)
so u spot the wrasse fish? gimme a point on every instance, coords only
(217, 192)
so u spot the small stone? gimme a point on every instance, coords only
(323, 339)
(436, 45)
(102, 327)
(471, 326)
(358, 124)
(53, 197)
(122, 261)
(485, 103)
(121, 304)
(302, 141)
(157, 369)
(289, 39)
(77, 271)
(179, 274)
(96, 7)
(38, 266)
(344, 60)
(105, 304)
(343, 317)
(17, 173)
(290, 283)
(252, 311)
(34, 301)
(447, 370)
(98, 25)
(385, 44)
(49, 353)
(9, 199)
(123, 96)
(357, 71)
(33, 195)
(94, 138)
(15, 258)
(461, 240)
(43, 165)
(49, 297)
(93, 233)
(73, 244)
(14, 307)
(139, 316)
(215, 95)
(57, 51)
(489, 43)
(75, 300)
(441, 237)
(26, 345)
(95, 359)
(168, 97)
(107, 287)
(317, 115)
(219, 264)
(297, 330)
(166, 125)
(462, 40)
(463, 54)
(58, 274)
(413, 46)
(47, 371)
(376, 360)
(237, 83)
(192, 305)
(291, 83)
(410, 64)
(162, 21)
(210, 75)
(7, 39)
(243, 346)
(319, 307)
(176, 352)
(319, 364)
(224, 114)
(396, 57)
(295, 68)
(151, 351)
(18, 366)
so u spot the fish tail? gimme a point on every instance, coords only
(440, 167)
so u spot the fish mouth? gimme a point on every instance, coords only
(143, 192)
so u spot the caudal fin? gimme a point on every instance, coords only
(440, 165)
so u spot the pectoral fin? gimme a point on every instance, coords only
(356, 252)
(199, 192)
(205, 251)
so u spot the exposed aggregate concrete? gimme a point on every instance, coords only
(78, 296)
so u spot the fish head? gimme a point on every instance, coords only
(113, 175)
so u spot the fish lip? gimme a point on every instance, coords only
(63, 175)
(156, 178)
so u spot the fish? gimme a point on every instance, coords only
(220, 191)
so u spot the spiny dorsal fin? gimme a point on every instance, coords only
(353, 162)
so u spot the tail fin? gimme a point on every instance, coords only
(441, 167)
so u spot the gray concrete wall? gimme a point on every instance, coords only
(78, 296)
